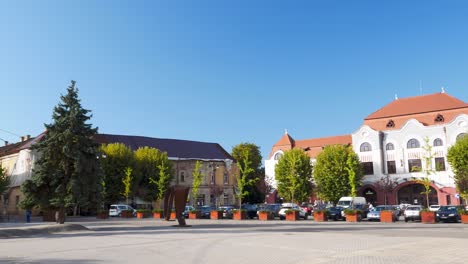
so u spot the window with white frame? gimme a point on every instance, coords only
(365, 147)
(390, 146)
(413, 143)
(438, 142)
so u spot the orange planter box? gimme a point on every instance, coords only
(428, 217)
(265, 216)
(293, 216)
(353, 218)
(173, 215)
(320, 217)
(194, 215)
(239, 215)
(216, 215)
(464, 218)
(157, 215)
(386, 217)
(140, 215)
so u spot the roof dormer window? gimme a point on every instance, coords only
(390, 124)
(439, 118)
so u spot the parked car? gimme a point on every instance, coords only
(448, 213)
(308, 207)
(374, 214)
(227, 211)
(335, 213)
(273, 209)
(291, 206)
(116, 209)
(251, 210)
(434, 207)
(412, 212)
(187, 210)
(205, 211)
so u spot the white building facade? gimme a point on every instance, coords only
(395, 142)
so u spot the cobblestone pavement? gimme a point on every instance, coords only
(250, 241)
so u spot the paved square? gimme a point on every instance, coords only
(250, 241)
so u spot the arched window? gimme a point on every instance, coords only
(438, 142)
(278, 156)
(389, 146)
(413, 143)
(365, 147)
(460, 136)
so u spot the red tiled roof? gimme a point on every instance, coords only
(285, 140)
(14, 148)
(418, 104)
(321, 142)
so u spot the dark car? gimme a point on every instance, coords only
(251, 210)
(227, 211)
(448, 213)
(273, 209)
(187, 210)
(335, 213)
(205, 211)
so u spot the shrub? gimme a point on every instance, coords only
(158, 211)
(319, 211)
(290, 211)
(352, 211)
(145, 211)
(462, 212)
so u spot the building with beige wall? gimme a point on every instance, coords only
(218, 168)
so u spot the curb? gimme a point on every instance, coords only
(41, 230)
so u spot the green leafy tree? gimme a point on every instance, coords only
(127, 183)
(4, 181)
(116, 157)
(293, 174)
(253, 192)
(4, 186)
(67, 172)
(148, 161)
(197, 180)
(458, 159)
(332, 172)
(427, 170)
(246, 177)
(164, 178)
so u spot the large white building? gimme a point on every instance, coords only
(391, 142)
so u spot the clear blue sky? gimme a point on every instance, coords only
(226, 71)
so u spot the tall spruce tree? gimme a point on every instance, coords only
(67, 173)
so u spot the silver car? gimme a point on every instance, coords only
(413, 212)
(374, 214)
(116, 209)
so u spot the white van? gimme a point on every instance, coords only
(348, 201)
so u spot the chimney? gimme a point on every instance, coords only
(28, 137)
(6, 143)
(22, 138)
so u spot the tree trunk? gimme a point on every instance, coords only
(75, 209)
(427, 199)
(60, 216)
